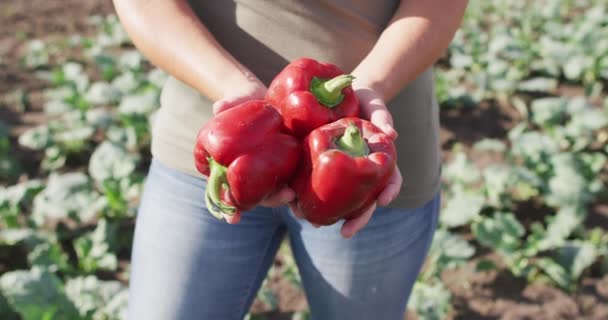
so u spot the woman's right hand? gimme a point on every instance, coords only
(250, 90)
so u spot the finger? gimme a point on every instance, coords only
(279, 198)
(294, 208)
(391, 191)
(228, 102)
(352, 226)
(382, 118)
(233, 219)
(376, 111)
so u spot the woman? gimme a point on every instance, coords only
(188, 265)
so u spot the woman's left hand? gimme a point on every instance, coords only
(374, 109)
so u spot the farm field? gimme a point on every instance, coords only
(524, 111)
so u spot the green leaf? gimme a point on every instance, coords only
(560, 227)
(556, 272)
(11, 237)
(526, 184)
(533, 150)
(157, 77)
(501, 232)
(102, 93)
(116, 309)
(485, 265)
(462, 208)
(447, 251)
(99, 118)
(141, 103)
(73, 138)
(49, 254)
(117, 202)
(94, 249)
(587, 120)
(539, 84)
(67, 195)
(91, 295)
(547, 112)
(107, 65)
(74, 72)
(487, 144)
(431, 301)
(130, 60)
(574, 67)
(21, 193)
(54, 158)
(36, 293)
(36, 138)
(460, 61)
(16, 198)
(36, 55)
(461, 169)
(497, 179)
(56, 107)
(555, 50)
(43, 248)
(575, 257)
(6, 311)
(111, 161)
(61, 93)
(123, 136)
(127, 82)
(567, 186)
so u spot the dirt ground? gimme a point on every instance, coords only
(477, 295)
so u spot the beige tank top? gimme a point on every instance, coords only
(264, 36)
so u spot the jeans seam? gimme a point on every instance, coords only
(249, 286)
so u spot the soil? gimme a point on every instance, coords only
(476, 295)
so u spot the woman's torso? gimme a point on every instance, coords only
(264, 36)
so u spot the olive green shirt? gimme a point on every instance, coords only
(265, 36)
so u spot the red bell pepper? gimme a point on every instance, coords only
(309, 94)
(346, 164)
(246, 156)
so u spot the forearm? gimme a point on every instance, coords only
(171, 36)
(414, 39)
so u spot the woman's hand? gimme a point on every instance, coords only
(374, 109)
(250, 90)
(413, 40)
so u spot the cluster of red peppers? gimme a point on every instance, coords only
(306, 134)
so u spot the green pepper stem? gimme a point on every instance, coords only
(217, 179)
(352, 142)
(329, 92)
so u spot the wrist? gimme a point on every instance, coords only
(364, 82)
(242, 82)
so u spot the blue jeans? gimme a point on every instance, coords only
(186, 264)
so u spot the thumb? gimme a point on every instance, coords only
(229, 102)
